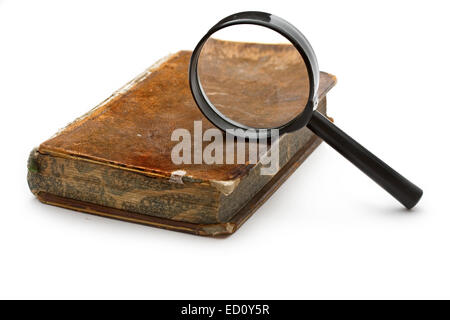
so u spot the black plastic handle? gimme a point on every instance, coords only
(390, 180)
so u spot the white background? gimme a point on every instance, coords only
(328, 232)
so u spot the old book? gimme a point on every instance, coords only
(115, 161)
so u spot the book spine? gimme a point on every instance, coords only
(107, 186)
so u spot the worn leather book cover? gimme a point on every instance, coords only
(115, 161)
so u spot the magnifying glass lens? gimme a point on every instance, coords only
(253, 76)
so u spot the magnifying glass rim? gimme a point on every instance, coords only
(285, 29)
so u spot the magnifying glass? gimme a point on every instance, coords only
(225, 84)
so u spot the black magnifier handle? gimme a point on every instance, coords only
(390, 180)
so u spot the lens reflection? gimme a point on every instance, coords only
(253, 76)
